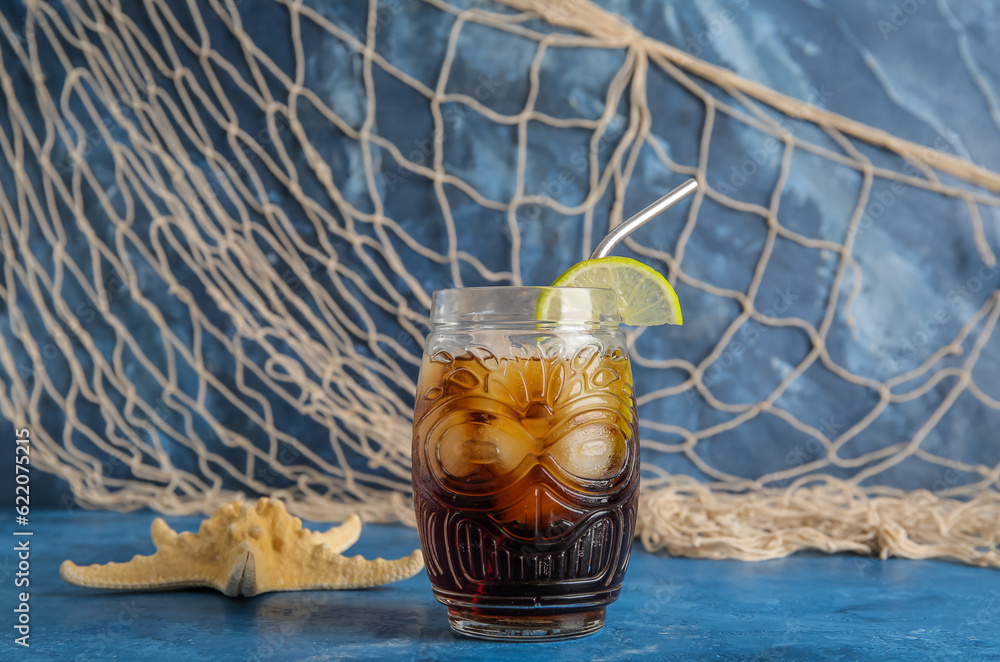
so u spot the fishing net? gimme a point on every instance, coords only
(215, 282)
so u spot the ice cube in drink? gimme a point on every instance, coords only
(525, 473)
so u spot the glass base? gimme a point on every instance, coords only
(547, 627)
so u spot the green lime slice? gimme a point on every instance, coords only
(645, 298)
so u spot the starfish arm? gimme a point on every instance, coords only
(327, 570)
(161, 533)
(159, 570)
(342, 572)
(341, 537)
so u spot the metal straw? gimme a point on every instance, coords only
(643, 217)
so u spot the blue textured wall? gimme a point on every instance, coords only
(924, 71)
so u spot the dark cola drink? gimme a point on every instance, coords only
(525, 476)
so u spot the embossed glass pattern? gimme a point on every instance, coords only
(525, 460)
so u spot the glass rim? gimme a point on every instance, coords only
(517, 287)
(526, 304)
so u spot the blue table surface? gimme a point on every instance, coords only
(807, 607)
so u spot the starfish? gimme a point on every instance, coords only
(248, 550)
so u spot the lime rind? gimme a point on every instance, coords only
(645, 297)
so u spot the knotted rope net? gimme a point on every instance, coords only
(211, 288)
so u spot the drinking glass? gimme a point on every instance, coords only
(525, 459)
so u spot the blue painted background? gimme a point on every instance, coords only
(930, 75)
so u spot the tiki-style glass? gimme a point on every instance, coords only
(525, 459)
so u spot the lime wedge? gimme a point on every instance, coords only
(645, 298)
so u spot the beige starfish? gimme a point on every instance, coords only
(247, 550)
